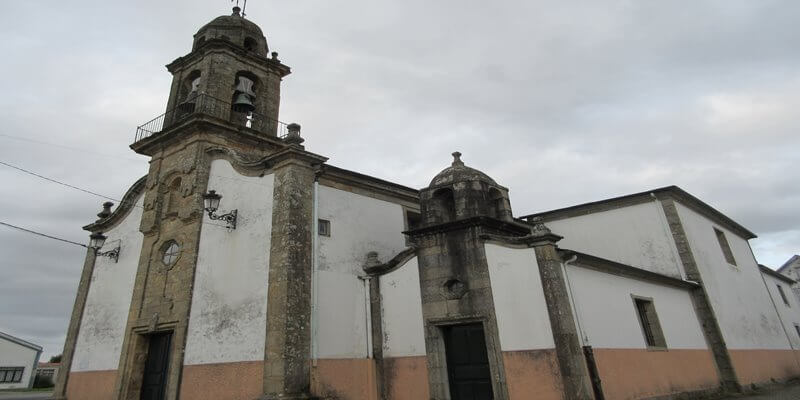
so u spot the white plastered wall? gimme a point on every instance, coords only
(608, 317)
(742, 305)
(108, 302)
(522, 319)
(401, 301)
(789, 313)
(229, 304)
(359, 224)
(15, 355)
(636, 235)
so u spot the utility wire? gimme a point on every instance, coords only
(68, 147)
(42, 234)
(58, 182)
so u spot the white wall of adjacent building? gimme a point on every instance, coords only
(788, 310)
(636, 235)
(358, 224)
(522, 319)
(229, 303)
(741, 303)
(15, 355)
(401, 302)
(105, 315)
(608, 318)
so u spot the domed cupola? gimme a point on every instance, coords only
(460, 192)
(235, 29)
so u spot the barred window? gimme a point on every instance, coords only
(11, 374)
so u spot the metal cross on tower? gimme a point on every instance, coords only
(244, 5)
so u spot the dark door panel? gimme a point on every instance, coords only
(467, 363)
(154, 383)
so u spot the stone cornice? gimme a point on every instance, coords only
(374, 268)
(612, 267)
(293, 153)
(220, 45)
(491, 224)
(122, 210)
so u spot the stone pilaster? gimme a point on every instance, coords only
(574, 375)
(60, 391)
(700, 300)
(287, 372)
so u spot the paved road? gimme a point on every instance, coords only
(24, 396)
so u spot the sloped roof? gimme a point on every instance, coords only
(20, 342)
(795, 259)
(673, 191)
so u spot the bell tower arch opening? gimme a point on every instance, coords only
(442, 206)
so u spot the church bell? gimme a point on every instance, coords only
(243, 100)
(242, 103)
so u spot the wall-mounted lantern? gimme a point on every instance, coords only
(211, 203)
(96, 242)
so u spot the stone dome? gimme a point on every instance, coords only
(235, 29)
(458, 172)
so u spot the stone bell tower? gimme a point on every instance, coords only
(229, 73)
(223, 103)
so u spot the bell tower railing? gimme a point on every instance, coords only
(208, 105)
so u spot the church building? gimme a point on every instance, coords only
(244, 267)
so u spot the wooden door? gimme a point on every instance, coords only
(467, 363)
(154, 383)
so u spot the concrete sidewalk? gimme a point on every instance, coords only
(25, 395)
(785, 393)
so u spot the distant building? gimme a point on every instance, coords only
(306, 281)
(48, 370)
(791, 268)
(18, 359)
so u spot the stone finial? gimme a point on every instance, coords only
(275, 55)
(539, 228)
(106, 210)
(293, 137)
(236, 11)
(457, 159)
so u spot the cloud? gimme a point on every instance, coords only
(562, 102)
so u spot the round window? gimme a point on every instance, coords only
(171, 253)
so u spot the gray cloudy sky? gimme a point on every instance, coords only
(563, 102)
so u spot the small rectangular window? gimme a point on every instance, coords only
(783, 295)
(324, 227)
(726, 248)
(651, 328)
(11, 374)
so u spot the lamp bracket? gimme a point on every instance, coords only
(112, 254)
(229, 218)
